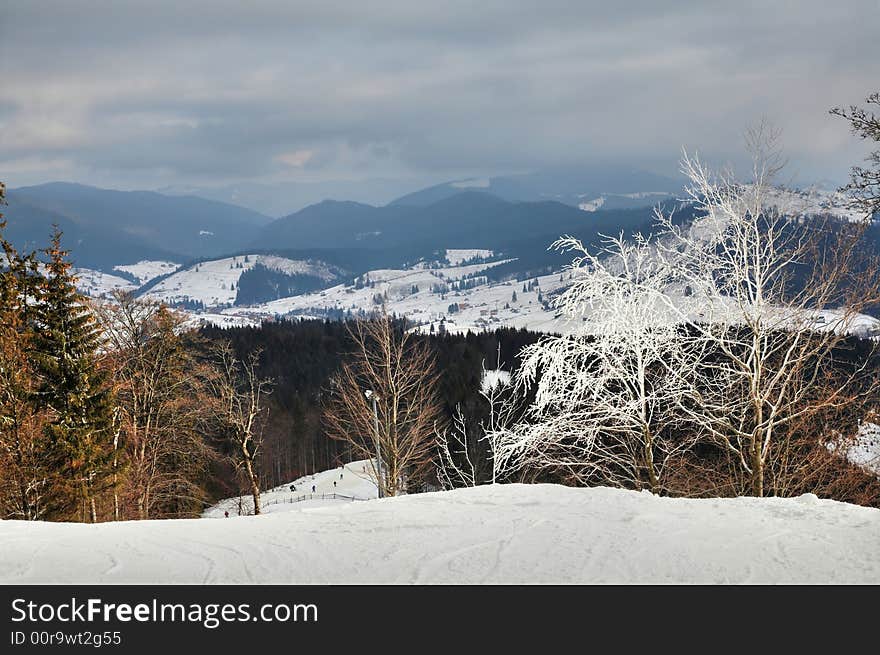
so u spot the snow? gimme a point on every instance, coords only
(863, 449)
(494, 378)
(215, 282)
(422, 307)
(866, 450)
(98, 284)
(146, 270)
(356, 484)
(456, 256)
(492, 534)
(813, 202)
(592, 205)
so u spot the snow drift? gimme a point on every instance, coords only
(491, 534)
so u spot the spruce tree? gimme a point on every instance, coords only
(75, 390)
(22, 466)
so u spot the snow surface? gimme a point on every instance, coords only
(356, 484)
(492, 534)
(862, 450)
(421, 307)
(98, 284)
(146, 270)
(494, 378)
(215, 282)
(592, 205)
(456, 256)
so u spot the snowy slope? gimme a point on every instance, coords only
(214, 282)
(147, 270)
(863, 449)
(456, 256)
(480, 308)
(353, 482)
(98, 284)
(501, 534)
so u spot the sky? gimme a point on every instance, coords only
(150, 94)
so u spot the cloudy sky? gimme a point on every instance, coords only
(147, 94)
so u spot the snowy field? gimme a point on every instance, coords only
(491, 534)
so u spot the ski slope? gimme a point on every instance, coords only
(353, 482)
(492, 534)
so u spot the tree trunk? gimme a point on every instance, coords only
(252, 479)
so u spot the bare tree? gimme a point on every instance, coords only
(398, 369)
(239, 394)
(160, 455)
(778, 293)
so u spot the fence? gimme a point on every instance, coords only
(315, 496)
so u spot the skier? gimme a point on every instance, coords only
(313, 488)
(340, 476)
(226, 514)
(293, 487)
(334, 484)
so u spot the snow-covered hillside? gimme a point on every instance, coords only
(456, 256)
(98, 284)
(492, 534)
(416, 293)
(147, 270)
(863, 449)
(214, 282)
(813, 202)
(349, 483)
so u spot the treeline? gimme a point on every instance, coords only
(113, 410)
(301, 357)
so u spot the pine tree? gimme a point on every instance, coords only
(22, 465)
(76, 391)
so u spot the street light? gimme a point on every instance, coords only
(374, 397)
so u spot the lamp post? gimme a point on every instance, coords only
(374, 397)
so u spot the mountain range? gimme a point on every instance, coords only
(107, 228)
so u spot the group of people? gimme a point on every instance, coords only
(314, 486)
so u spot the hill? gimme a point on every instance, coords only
(511, 533)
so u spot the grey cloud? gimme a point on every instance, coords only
(149, 94)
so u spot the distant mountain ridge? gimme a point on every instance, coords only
(622, 187)
(469, 219)
(107, 227)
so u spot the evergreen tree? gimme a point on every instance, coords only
(73, 388)
(22, 466)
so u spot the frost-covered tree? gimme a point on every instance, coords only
(605, 390)
(773, 296)
(463, 462)
(865, 181)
